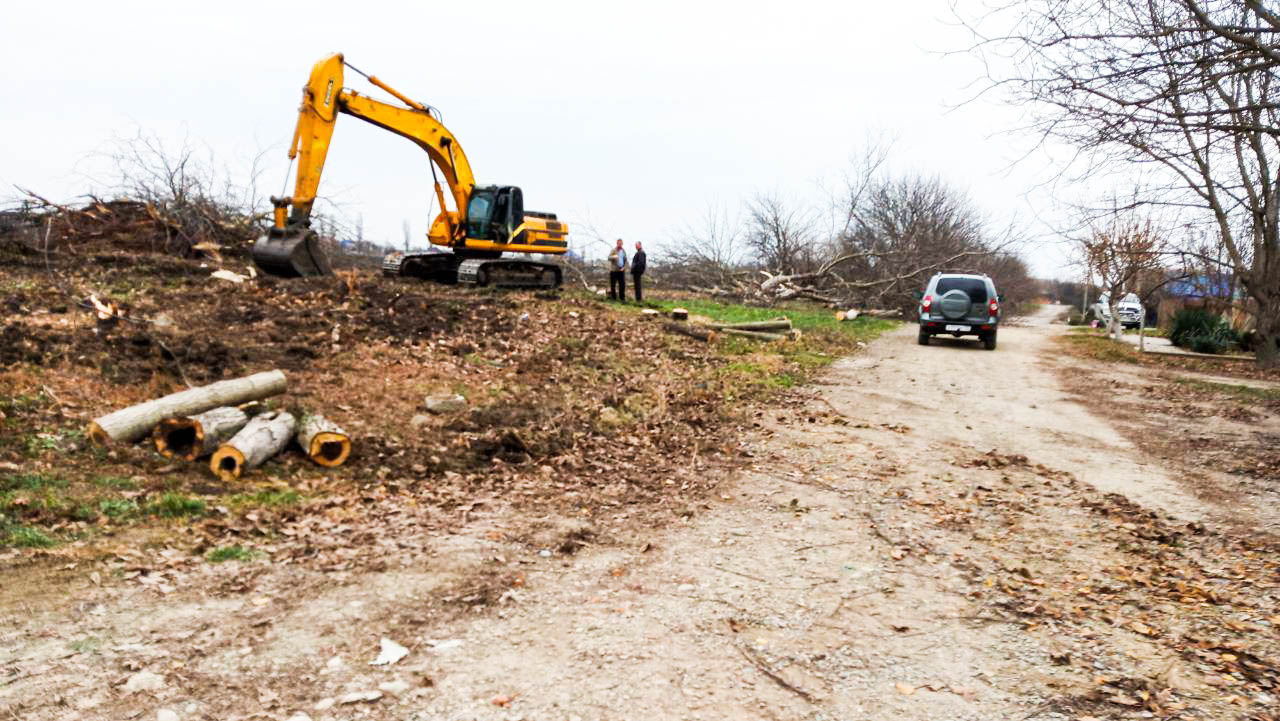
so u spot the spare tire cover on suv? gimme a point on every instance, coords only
(955, 304)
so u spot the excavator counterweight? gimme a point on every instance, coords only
(484, 222)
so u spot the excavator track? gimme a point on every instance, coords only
(451, 269)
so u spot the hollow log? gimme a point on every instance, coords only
(262, 437)
(192, 437)
(135, 422)
(758, 335)
(323, 441)
(697, 332)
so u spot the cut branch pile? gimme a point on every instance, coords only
(183, 229)
(214, 420)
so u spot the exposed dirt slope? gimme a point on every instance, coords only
(935, 532)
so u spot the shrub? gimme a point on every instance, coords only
(1201, 331)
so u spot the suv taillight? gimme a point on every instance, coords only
(926, 303)
(995, 307)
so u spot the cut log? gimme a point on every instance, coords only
(323, 441)
(679, 314)
(883, 313)
(703, 334)
(851, 314)
(761, 325)
(260, 439)
(135, 422)
(756, 334)
(192, 437)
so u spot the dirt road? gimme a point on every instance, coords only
(867, 566)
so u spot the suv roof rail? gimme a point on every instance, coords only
(962, 272)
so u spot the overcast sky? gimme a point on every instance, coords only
(633, 118)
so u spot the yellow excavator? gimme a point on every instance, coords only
(485, 221)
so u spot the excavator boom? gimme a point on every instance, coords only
(480, 224)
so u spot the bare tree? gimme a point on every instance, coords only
(782, 236)
(1119, 254)
(709, 255)
(1185, 89)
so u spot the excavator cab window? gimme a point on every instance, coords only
(480, 214)
(494, 213)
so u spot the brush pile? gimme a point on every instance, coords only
(184, 229)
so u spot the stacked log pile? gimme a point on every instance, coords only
(216, 421)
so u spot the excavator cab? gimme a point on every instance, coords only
(495, 212)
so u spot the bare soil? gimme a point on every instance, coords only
(930, 532)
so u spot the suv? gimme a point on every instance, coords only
(960, 304)
(1129, 309)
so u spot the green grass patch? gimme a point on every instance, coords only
(119, 483)
(118, 509)
(268, 497)
(1098, 347)
(230, 553)
(176, 505)
(804, 318)
(759, 375)
(88, 644)
(28, 537)
(31, 482)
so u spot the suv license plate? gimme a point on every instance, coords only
(959, 327)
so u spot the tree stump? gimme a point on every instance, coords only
(192, 437)
(260, 439)
(323, 441)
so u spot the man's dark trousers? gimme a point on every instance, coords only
(618, 284)
(635, 281)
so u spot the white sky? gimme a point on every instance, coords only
(634, 117)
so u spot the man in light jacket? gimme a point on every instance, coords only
(618, 273)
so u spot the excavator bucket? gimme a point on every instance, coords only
(291, 253)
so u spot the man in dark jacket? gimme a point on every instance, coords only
(637, 270)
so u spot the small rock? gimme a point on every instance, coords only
(360, 696)
(420, 421)
(165, 714)
(685, 587)
(395, 688)
(544, 553)
(446, 645)
(446, 404)
(324, 704)
(162, 321)
(389, 653)
(144, 681)
(300, 716)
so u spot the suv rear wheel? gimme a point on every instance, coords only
(989, 342)
(923, 338)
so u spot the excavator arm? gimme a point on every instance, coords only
(289, 249)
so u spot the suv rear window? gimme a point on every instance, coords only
(974, 287)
